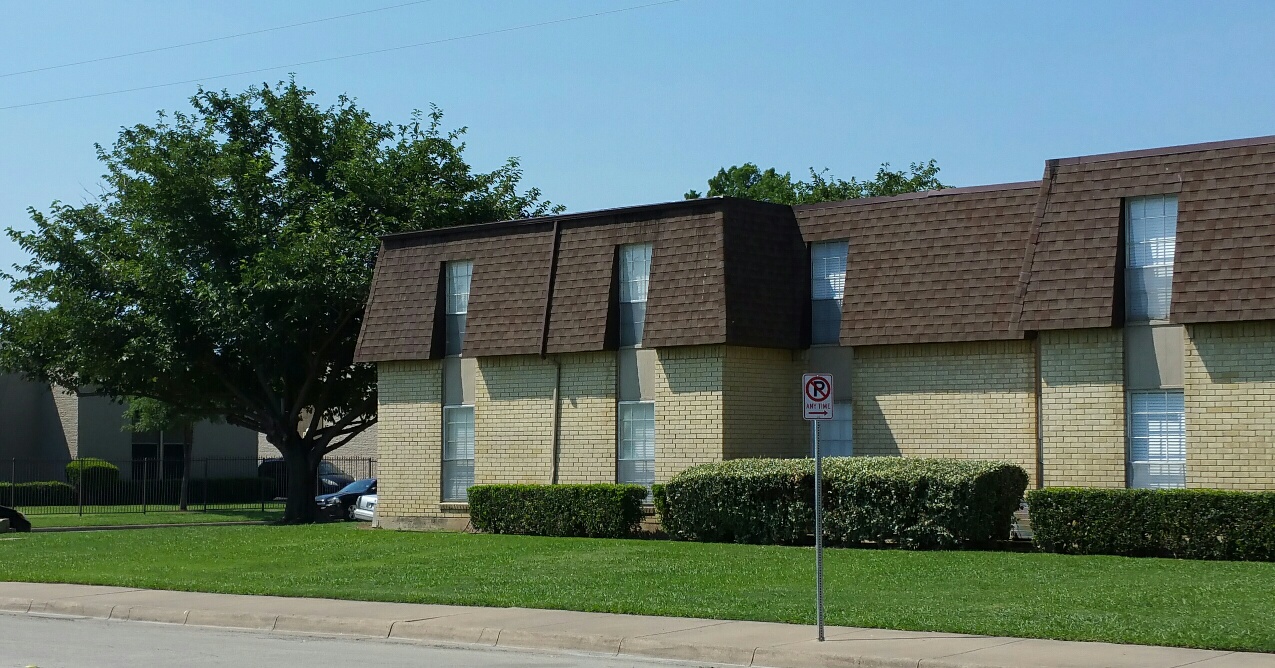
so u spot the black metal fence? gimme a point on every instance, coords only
(91, 485)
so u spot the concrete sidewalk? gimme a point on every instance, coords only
(714, 641)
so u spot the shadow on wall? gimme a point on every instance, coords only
(692, 369)
(33, 424)
(872, 433)
(958, 400)
(1236, 353)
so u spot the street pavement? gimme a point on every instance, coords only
(52, 642)
(708, 641)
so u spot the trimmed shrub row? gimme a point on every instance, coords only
(595, 511)
(98, 473)
(1182, 523)
(37, 494)
(129, 492)
(913, 503)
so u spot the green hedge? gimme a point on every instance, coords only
(914, 503)
(37, 494)
(98, 473)
(599, 511)
(1182, 523)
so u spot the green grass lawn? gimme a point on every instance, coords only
(1220, 605)
(162, 517)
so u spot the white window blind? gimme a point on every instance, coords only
(459, 275)
(1149, 251)
(836, 436)
(636, 456)
(1157, 439)
(458, 452)
(635, 275)
(827, 290)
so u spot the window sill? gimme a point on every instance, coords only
(454, 507)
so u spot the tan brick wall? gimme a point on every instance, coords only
(1230, 406)
(587, 442)
(762, 404)
(410, 436)
(688, 408)
(67, 406)
(956, 400)
(1082, 407)
(513, 420)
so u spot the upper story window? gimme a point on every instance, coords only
(458, 278)
(827, 290)
(635, 275)
(1151, 240)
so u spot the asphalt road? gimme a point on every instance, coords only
(49, 642)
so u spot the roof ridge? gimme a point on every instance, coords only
(942, 192)
(1168, 150)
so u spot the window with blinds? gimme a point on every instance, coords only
(459, 275)
(1157, 439)
(635, 275)
(458, 452)
(1152, 224)
(636, 453)
(827, 290)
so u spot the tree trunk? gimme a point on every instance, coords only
(303, 475)
(188, 448)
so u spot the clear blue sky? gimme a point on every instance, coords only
(639, 106)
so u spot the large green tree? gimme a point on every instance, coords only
(748, 181)
(225, 268)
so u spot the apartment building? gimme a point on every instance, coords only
(1112, 324)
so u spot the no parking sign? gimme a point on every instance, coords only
(816, 392)
(816, 405)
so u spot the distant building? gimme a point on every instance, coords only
(47, 425)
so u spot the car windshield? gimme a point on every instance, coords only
(326, 468)
(358, 486)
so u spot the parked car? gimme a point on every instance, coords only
(18, 521)
(331, 478)
(340, 504)
(1021, 529)
(365, 508)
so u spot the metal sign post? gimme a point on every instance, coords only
(816, 390)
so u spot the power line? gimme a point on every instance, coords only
(212, 39)
(344, 57)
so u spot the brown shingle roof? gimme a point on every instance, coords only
(689, 301)
(938, 266)
(506, 300)
(1225, 263)
(990, 262)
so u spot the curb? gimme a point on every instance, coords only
(422, 631)
(121, 527)
(434, 630)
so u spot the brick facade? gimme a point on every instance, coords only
(688, 408)
(1082, 402)
(410, 433)
(513, 420)
(761, 404)
(1230, 406)
(587, 431)
(973, 400)
(957, 400)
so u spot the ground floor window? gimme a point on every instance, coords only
(636, 456)
(458, 452)
(836, 436)
(1157, 440)
(159, 454)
